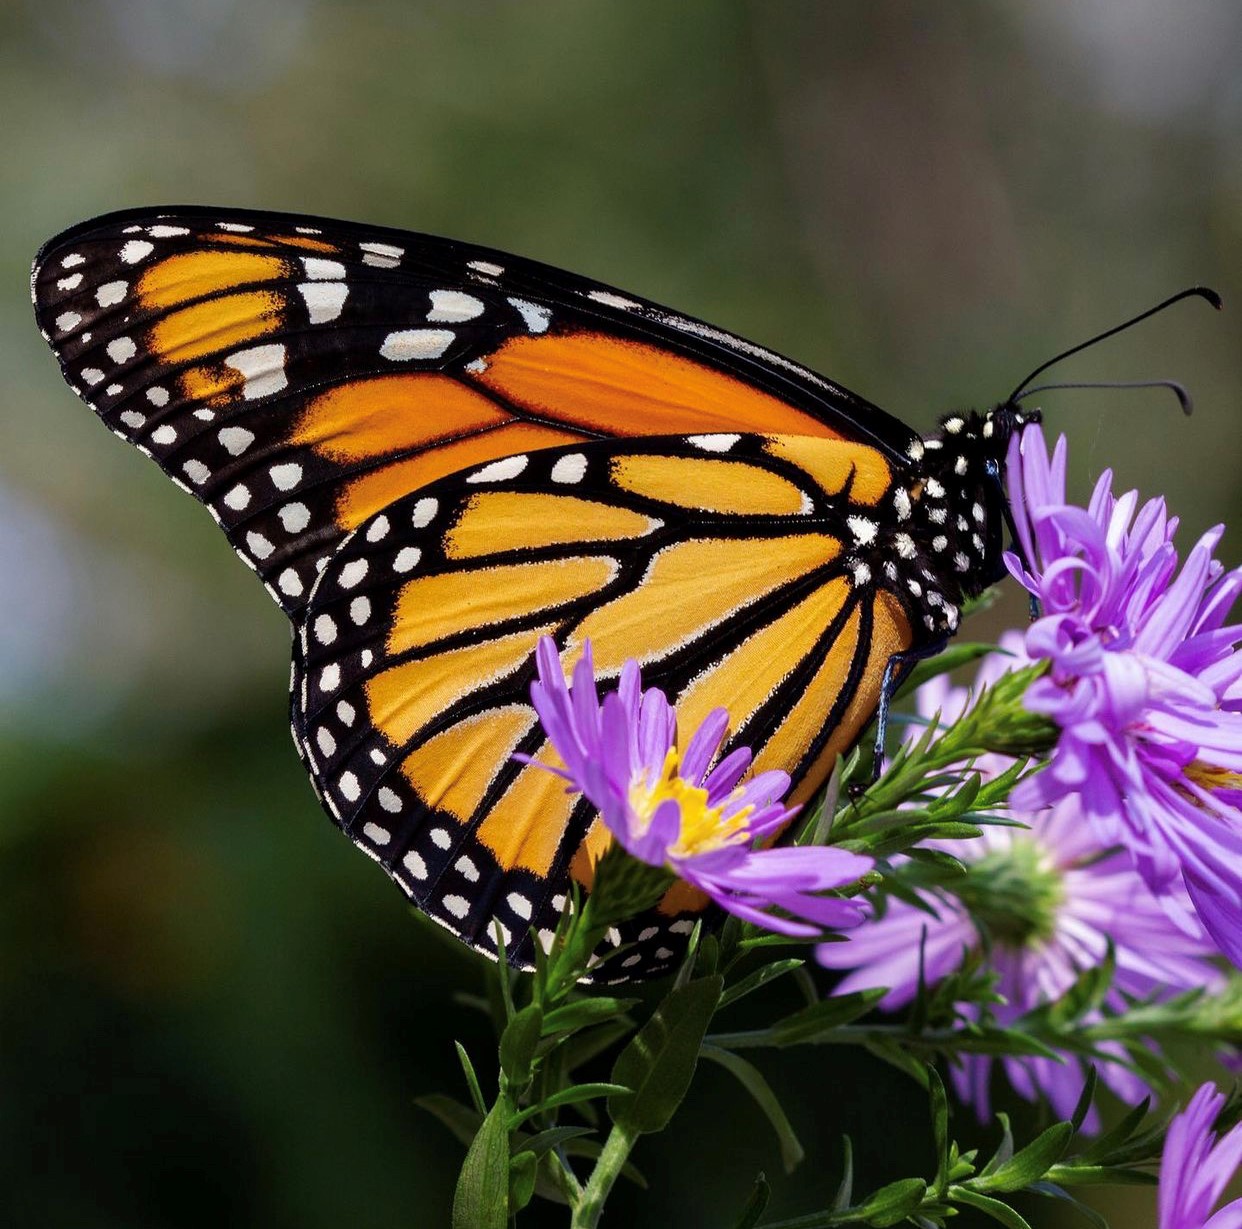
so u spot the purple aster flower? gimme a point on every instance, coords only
(1196, 1167)
(1144, 681)
(1041, 904)
(668, 805)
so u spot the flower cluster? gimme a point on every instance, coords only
(1144, 681)
(669, 804)
(1040, 903)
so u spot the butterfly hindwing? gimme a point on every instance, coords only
(297, 375)
(731, 566)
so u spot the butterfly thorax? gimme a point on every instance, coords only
(944, 540)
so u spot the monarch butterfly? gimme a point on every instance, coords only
(433, 454)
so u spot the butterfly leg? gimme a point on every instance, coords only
(895, 673)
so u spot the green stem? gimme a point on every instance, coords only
(608, 1166)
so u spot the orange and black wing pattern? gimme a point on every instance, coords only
(732, 566)
(298, 375)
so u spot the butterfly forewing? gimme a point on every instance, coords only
(297, 375)
(724, 564)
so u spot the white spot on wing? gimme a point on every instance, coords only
(262, 369)
(570, 468)
(406, 344)
(136, 250)
(485, 267)
(294, 517)
(713, 443)
(424, 512)
(320, 270)
(453, 306)
(535, 315)
(612, 300)
(497, 471)
(324, 300)
(235, 439)
(285, 477)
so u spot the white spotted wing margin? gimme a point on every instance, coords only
(416, 632)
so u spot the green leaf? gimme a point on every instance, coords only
(813, 1023)
(760, 977)
(1028, 1164)
(523, 1169)
(481, 1200)
(756, 1201)
(940, 1127)
(472, 1080)
(1004, 1150)
(460, 1119)
(518, 1042)
(589, 1043)
(583, 1013)
(891, 1204)
(572, 1095)
(1085, 1098)
(750, 1078)
(553, 1137)
(1002, 1213)
(1052, 1191)
(947, 659)
(660, 1059)
(845, 1192)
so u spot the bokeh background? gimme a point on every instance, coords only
(213, 1011)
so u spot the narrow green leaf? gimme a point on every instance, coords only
(1028, 1164)
(947, 659)
(582, 1013)
(481, 1200)
(761, 976)
(1000, 1212)
(504, 975)
(1004, 1150)
(751, 1079)
(518, 1042)
(845, 1192)
(1085, 1098)
(756, 1201)
(812, 1023)
(472, 1080)
(1052, 1191)
(659, 1061)
(891, 1204)
(572, 1095)
(460, 1119)
(940, 1127)
(553, 1137)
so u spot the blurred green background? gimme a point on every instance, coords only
(215, 1012)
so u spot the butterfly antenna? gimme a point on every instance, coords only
(1199, 292)
(1178, 390)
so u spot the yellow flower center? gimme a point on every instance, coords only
(702, 828)
(1212, 777)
